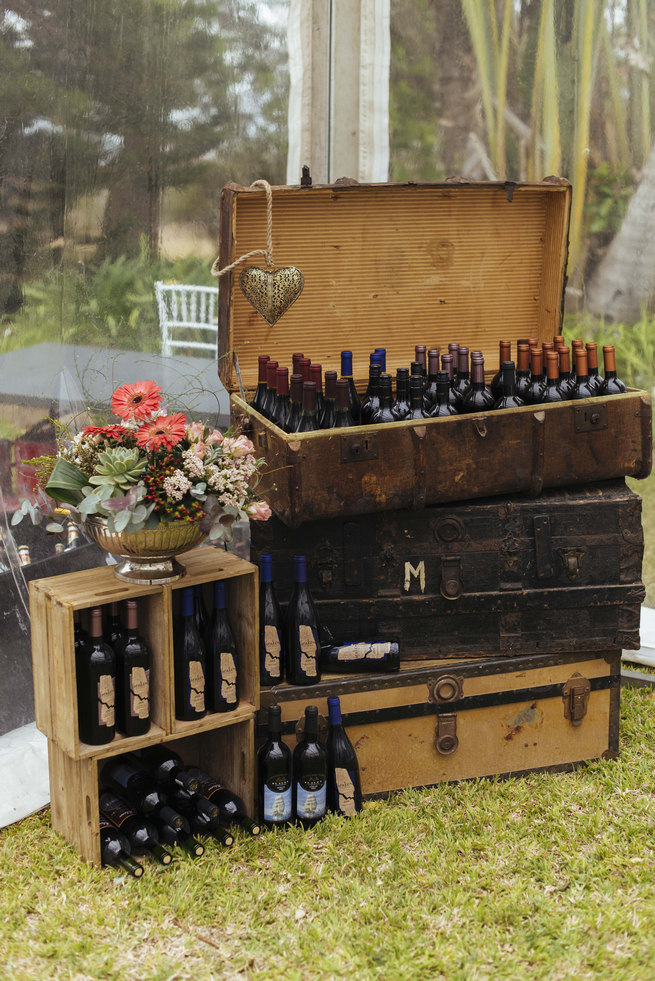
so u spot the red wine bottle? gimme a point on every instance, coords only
(115, 849)
(274, 775)
(222, 657)
(478, 398)
(80, 636)
(595, 380)
(522, 369)
(316, 375)
(295, 361)
(576, 345)
(545, 348)
(282, 406)
(112, 632)
(430, 394)
(129, 779)
(204, 816)
(583, 389)
(453, 351)
(189, 663)
(462, 380)
(416, 392)
(310, 774)
(268, 401)
(304, 368)
(444, 405)
(141, 833)
(566, 383)
(232, 808)
(182, 838)
(421, 358)
(534, 393)
(308, 422)
(330, 410)
(553, 392)
(366, 656)
(271, 629)
(95, 666)
(344, 790)
(199, 611)
(295, 412)
(303, 630)
(509, 399)
(448, 364)
(385, 413)
(165, 767)
(371, 400)
(612, 385)
(353, 397)
(505, 354)
(400, 408)
(132, 678)
(343, 418)
(260, 391)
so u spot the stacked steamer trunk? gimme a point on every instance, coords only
(503, 550)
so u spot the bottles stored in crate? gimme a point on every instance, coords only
(127, 780)
(444, 400)
(308, 422)
(271, 627)
(310, 773)
(166, 767)
(222, 656)
(385, 412)
(360, 657)
(330, 406)
(141, 834)
(553, 391)
(181, 837)
(260, 391)
(112, 631)
(95, 669)
(612, 385)
(295, 411)
(344, 792)
(583, 390)
(232, 808)
(115, 849)
(303, 630)
(282, 406)
(189, 664)
(508, 399)
(274, 775)
(132, 678)
(478, 397)
(505, 354)
(353, 397)
(595, 381)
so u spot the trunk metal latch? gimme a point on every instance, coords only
(451, 577)
(445, 737)
(575, 696)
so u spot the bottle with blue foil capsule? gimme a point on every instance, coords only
(382, 354)
(274, 775)
(271, 631)
(353, 397)
(222, 657)
(344, 787)
(310, 770)
(303, 630)
(189, 663)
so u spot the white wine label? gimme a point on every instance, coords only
(308, 650)
(228, 678)
(140, 693)
(272, 651)
(106, 699)
(277, 804)
(363, 652)
(311, 803)
(345, 791)
(196, 686)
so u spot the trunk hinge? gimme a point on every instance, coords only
(575, 696)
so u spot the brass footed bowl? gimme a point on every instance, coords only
(148, 556)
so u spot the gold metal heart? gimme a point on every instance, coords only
(271, 293)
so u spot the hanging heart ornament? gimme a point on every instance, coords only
(271, 292)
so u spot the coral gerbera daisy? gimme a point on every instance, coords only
(108, 432)
(136, 401)
(163, 431)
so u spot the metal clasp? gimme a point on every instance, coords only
(445, 737)
(575, 695)
(451, 577)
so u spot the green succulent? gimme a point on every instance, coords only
(119, 467)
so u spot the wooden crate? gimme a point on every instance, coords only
(52, 603)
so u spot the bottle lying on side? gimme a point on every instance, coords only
(363, 656)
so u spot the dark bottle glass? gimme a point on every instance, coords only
(199, 611)
(274, 775)
(115, 849)
(371, 400)
(566, 383)
(316, 375)
(202, 825)
(443, 405)
(362, 657)
(553, 393)
(416, 390)
(182, 838)
(271, 627)
(295, 412)
(344, 791)
(430, 394)
(612, 385)
(132, 678)
(302, 631)
(583, 389)
(505, 354)
(194, 805)
(232, 809)
(595, 380)
(282, 406)
(268, 401)
(330, 410)
(343, 418)
(353, 397)
(141, 833)
(478, 398)
(522, 369)
(308, 422)
(448, 364)
(95, 667)
(508, 399)
(165, 767)
(535, 390)
(310, 773)
(385, 413)
(462, 381)
(453, 350)
(260, 391)
(112, 631)
(420, 358)
(189, 663)
(222, 657)
(80, 636)
(400, 408)
(138, 786)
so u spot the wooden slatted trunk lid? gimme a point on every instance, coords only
(501, 577)
(442, 722)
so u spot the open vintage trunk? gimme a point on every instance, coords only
(396, 265)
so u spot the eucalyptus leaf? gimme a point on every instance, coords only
(122, 520)
(54, 526)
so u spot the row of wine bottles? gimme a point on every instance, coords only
(73, 541)
(303, 786)
(433, 385)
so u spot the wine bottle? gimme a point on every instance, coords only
(274, 775)
(420, 358)
(271, 635)
(448, 364)
(260, 391)
(282, 405)
(222, 657)
(303, 630)
(400, 408)
(430, 394)
(583, 389)
(95, 666)
(330, 410)
(445, 398)
(453, 351)
(295, 412)
(371, 400)
(189, 664)
(316, 375)
(612, 385)
(295, 361)
(202, 826)
(576, 345)
(509, 399)
(132, 679)
(115, 849)
(566, 383)
(462, 381)
(80, 636)
(310, 773)
(343, 418)
(344, 791)
(360, 657)
(534, 393)
(416, 392)
(505, 354)
(353, 397)
(165, 766)
(478, 398)
(112, 631)
(553, 393)
(308, 423)
(141, 834)
(268, 401)
(73, 540)
(304, 368)
(194, 805)
(182, 838)
(385, 412)
(595, 381)
(138, 786)
(232, 809)
(545, 348)
(381, 353)
(522, 369)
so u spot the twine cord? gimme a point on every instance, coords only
(268, 251)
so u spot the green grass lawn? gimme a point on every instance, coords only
(547, 876)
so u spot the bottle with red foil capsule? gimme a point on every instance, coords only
(430, 394)
(566, 383)
(295, 361)
(343, 418)
(535, 390)
(400, 408)
(308, 423)
(295, 412)
(509, 399)
(282, 406)
(385, 412)
(260, 391)
(612, 384)
(371, 400)
(522, 369)
(448, 364)
(505, 354)
(304, 367)
(583, 389)
(478, 398)
(95, 668)
(553, 392)
(463, 380)
(330, 401)
(443, 405)
(268, 402)
(316, 375)
(595, 380)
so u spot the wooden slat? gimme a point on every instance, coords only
(43, 683)
(74, 801)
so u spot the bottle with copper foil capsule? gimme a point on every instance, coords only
(558, 341)
(343, 419)
(430, 394)
(463, 380)
(353, 397)
(443, 406)
(595, 380)
(576, 345)
(448, 364)
(479, 397)
(535, 390)
(303, 630)
(282, 405)
(545, 348)
(260, 391)
(400, 408)
(416, 392)
(316, 375)
(566, 383)
(522, 369)
(583, 389)
(385, 412)
(308, 423)
(95, 667)
(330, 411)
(612, 384)
(268, 402)
(295, 412)
(295, 362)
(509, 399)
(132, 678)
(553, 392)
(371, 400)
(505, 354)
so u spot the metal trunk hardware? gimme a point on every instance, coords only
(576, 696)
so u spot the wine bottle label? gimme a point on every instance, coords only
(119, 811)
(228, 678)
(277, 799)
(345, 791)
(363, 652)
(311, 800)
(196, 686)
(106, 699)
(140, 693)
(207, 785)
(272, 649)
(308, 646)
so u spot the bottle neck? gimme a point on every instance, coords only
(334, 711)
(509, 379)
(96, 624)
(220, 595)
(132, 616)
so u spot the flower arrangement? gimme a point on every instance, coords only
(150, 468)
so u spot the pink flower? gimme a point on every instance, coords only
(259, 511)
(195, 431)
(199, 448)
(214, 437)
(137, 401)
(239, 447)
